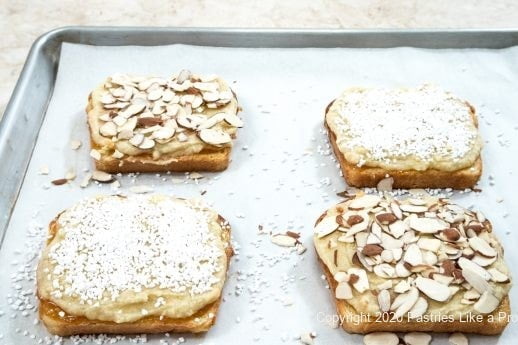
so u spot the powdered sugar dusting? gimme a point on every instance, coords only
(425, 124)
(112, 244)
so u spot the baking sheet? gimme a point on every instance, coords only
(282, 177)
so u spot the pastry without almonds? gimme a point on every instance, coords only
(145, 124)
(136, 264)
(413, 264)
(423, 137)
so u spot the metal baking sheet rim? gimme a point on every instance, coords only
(24, 119)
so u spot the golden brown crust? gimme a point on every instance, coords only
(486, 327)
(213, 160)
(370, 176)
(202, 321)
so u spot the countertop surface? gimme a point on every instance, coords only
(21, 22)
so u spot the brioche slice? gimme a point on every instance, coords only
(159, 268)
(422, 138)
(151, 124)
(415, 264)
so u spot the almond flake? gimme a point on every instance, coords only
(70, 175)
(59, 182)
(417, 338)
(95, 154)
(109, 129)
(413, 208)
(341, 276)
(402, 287)
(458, 339)
(386, 218)
(155, 94)
(283, 240)
(475, 275)
(363, 282)
(326, 226)
(398, 228)
(141, 189)
(413, 255)
(102, 176)
(384, 300)
(214, 137)
(418, 309)
(404, 303)
(483, 261)
(212, 121)
(343, 291)
(133, 110)
(137, 139)
(381, 338)
(428, 225)
(372, 249)
(497, 276)
(431, 244)
(487, 303)
(364, 202)
(85, 181)
(396, 210)
(233, 120)
(433, 289)
(75, 144)
(480, 245)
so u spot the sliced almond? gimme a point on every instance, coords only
(408, 300)
(107, 98)
(95, 154)
(364, 202)
(402, 287)
(86, 180)
(343, 291)
(164, 133)
(372, 250)
(417, 338)
(108, 129)
(283, 240)
(480, 245)
(214, 137)
(386, 218)
(384, 271)
(401, 270)
(381, 338)
(475, 275)
(431, 244)
(398, 228)
(389, 242)
(133, 110)
(326, 226)
(75, 144)
(413, 208)
(155, 94)
(413, 255)
(428, 225)
(233, 120)
(458, 339)
(384, 300)
(212, 121)
(433, 289)
(451, 234)
(497, 276)
(362, 284)
(137, 139)
(341, 276)
(101, 176)
(418, 309)
(483, 261)
(487, 303)
(396, 210)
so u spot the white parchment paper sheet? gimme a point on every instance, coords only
(282, 174)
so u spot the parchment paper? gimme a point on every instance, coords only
(282, 175)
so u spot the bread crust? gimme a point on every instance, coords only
(68, 325)
(365, 176)
(347, 312)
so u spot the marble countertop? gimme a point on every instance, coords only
(21, 22)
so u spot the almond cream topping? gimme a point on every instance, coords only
(423, 128)
(113, 257)
(441, 260)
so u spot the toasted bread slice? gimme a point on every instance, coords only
(58, 322)
(390, 268)
(176, 126)
(362, 175)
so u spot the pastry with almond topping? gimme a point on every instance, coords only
(136, 264)
(152, 124)
(422, 138)
(414, 264)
